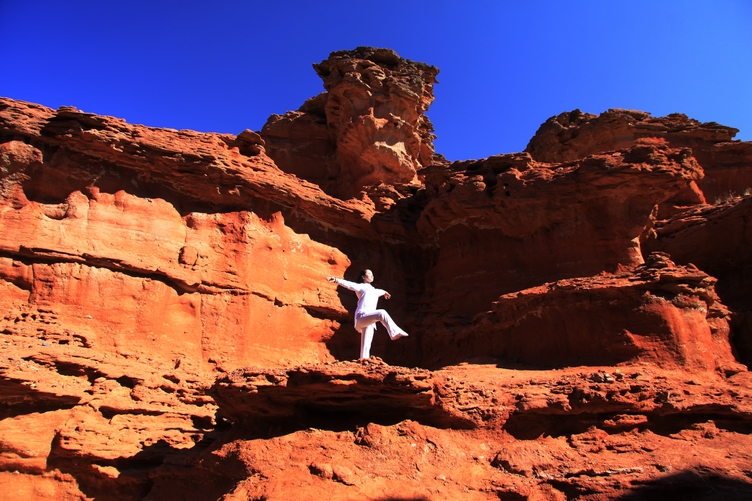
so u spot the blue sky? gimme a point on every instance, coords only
(506, 66)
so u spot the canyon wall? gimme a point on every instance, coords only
(578, 312)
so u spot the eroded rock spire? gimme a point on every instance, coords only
(369, 127)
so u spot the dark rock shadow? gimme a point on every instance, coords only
(390, 264)
(17, 399)
(703, 485)
(345, 342)
(403, 499)
(138, 473)
(276, 403)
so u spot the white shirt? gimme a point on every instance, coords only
(368, 295)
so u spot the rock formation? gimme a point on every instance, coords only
(578, 313)
(716, 238)
(368, 128)
(573, 135)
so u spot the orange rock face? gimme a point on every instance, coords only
(716, 238)
(659, 313)
(508, 223)
(578, 313)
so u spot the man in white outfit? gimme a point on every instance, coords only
(366, 314)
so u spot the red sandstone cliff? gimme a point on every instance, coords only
(578, 313)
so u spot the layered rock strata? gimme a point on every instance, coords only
(152, 273)
(507, 223)
(592, 433)
(717, 239)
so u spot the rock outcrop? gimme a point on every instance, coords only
(507, 223)
(660, 313)
(578, 313)
(493, 433)
(123, 218)
(716, 238)
(575, 134)
(368, 128)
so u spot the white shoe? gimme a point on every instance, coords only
(399, 335)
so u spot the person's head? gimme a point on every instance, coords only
(366, 277)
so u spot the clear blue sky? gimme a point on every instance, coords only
(506, 65)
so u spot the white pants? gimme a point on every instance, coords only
(365, 323)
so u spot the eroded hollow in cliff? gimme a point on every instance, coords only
(336, 397)
(19, 399)
(316, 415)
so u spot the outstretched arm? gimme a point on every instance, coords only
(345, 283)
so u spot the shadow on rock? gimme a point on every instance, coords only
(135, 477)
(19, 399)
(338, 396)
(692, 486)
(403, 499)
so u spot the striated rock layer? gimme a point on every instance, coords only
(475, 432)
(578, 313)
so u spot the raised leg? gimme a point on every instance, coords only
(367, 319)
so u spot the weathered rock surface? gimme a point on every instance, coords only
(575, 134)
(716, 238)
(592, 433)
(507, 223)
(149, 272)
(660, 313)
(93, 419)
(369, 127)
(578, 313)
